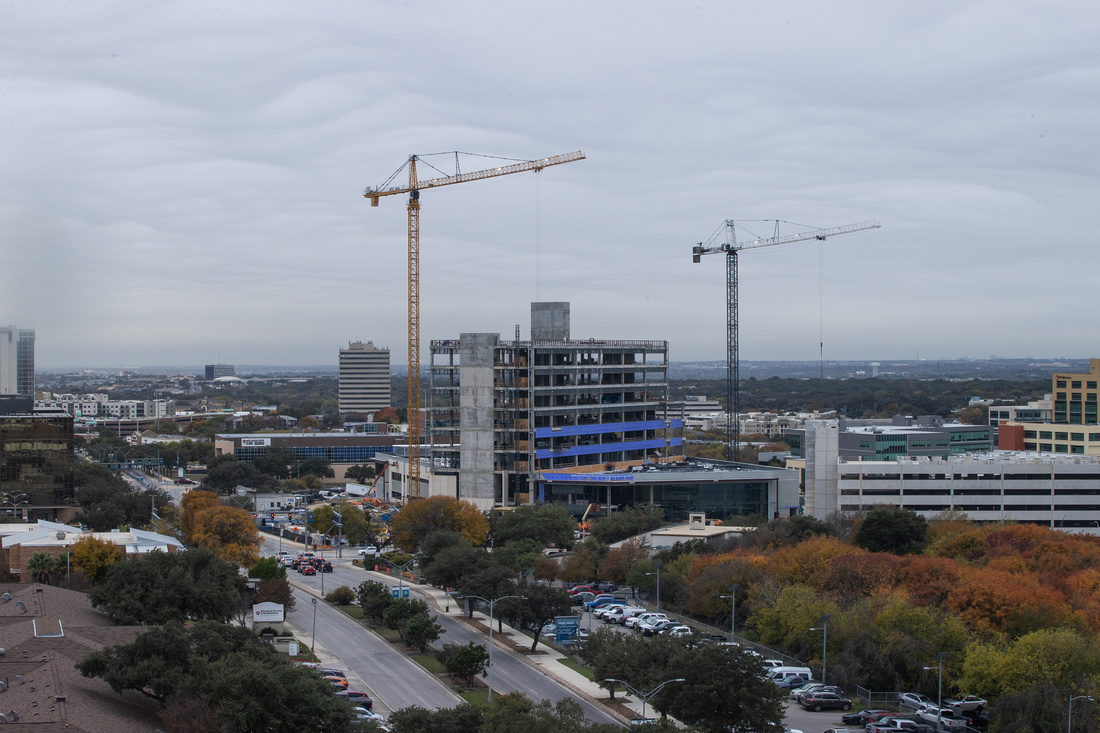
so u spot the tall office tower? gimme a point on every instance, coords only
(364, 378)
(214, 371)
(16, 361)
(505, 411)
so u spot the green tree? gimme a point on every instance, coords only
(318, 467)
(898, 531)
(275, 462)
(467, 661)
(374, 598)
(341, 596)
(540, 605)
(267, 567)
(41, 566)
(465, 718)
(360, 474)
(545, 524)
(397, 614)
(421, 630)
(453, 564)
(159, 587)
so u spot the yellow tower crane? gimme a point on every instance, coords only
(414, 187)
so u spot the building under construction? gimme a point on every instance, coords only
(503, 411)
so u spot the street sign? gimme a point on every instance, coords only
(403, 590)
(566, 631)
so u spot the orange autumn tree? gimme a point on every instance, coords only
(421, 517)
(1006, 602)
(228, 531)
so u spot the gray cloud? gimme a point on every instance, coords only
(182, 182)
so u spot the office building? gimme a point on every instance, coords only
(817, 448)
(16, 361)
(364, 378)
(1075, 396)
(36, 462)
(503, 411)
(720, 489)
(217, 371)
(336, 448)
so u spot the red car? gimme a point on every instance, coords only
(308, 570)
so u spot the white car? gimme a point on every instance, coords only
(368, 551)
(680, 630)
(619, 616)
(915, 700)
(634, 621)
(603, 611)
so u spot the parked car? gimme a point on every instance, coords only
(652, 629)
(900, 725)
(819, 701)
(679, 630)
(332, 671)
(603, 611)
(335, 681)
(633, 621)
(915, 700)
(359, 697)
(579, 599)
(791, 682)
(580, 589)
(943, 717)
(863, 717)
(599, 601)
(810, 689)
(970, 702)
(620, 614)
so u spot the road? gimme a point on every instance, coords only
(510, 674)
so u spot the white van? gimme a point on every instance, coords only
(782, 674)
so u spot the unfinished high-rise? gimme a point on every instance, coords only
(502, 411)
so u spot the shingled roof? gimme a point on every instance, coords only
(43, 687)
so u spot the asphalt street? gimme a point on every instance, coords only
(510, 673)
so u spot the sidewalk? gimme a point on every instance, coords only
(545, 659)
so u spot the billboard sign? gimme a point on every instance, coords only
(566, 631)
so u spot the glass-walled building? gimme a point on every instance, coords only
(720, 489)
(36, 465)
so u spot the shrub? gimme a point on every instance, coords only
(342, 596)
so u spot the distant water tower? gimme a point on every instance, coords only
(874, 369)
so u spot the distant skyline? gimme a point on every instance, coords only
(182, 182)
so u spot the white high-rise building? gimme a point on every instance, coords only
(364, 378)
(16, 361)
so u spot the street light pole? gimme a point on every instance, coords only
(939, 669)
(645, 697)
(824, 642)
(492, 603)
(733, 608)
(1069, 718)
(313, 641)
(657, 568)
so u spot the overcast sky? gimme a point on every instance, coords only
(181, 183)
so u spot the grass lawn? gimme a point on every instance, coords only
(429, 662)
(354, 611)
(476, 696)
(389, 635)
(572, 664)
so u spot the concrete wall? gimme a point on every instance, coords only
(549, 322)
(476, 481)
(822, 451)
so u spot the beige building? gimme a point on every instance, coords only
(364, 378)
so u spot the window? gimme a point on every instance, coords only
(1094, 437)
(1061, 384)
(1090, 385)
(1059, 448)
(1079, 449)
(1076, 384)
(1044, 448)
(1061, 436)
(1045, 435)
(1077, 436)
(1030, 434)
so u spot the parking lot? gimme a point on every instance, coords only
(797, 717)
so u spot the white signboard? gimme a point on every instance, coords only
(255, 442)
(267, 613)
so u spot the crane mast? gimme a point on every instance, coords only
(733, 357)
(415, 186)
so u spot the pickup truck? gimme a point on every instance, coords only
(895, 725)
(943, 717)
